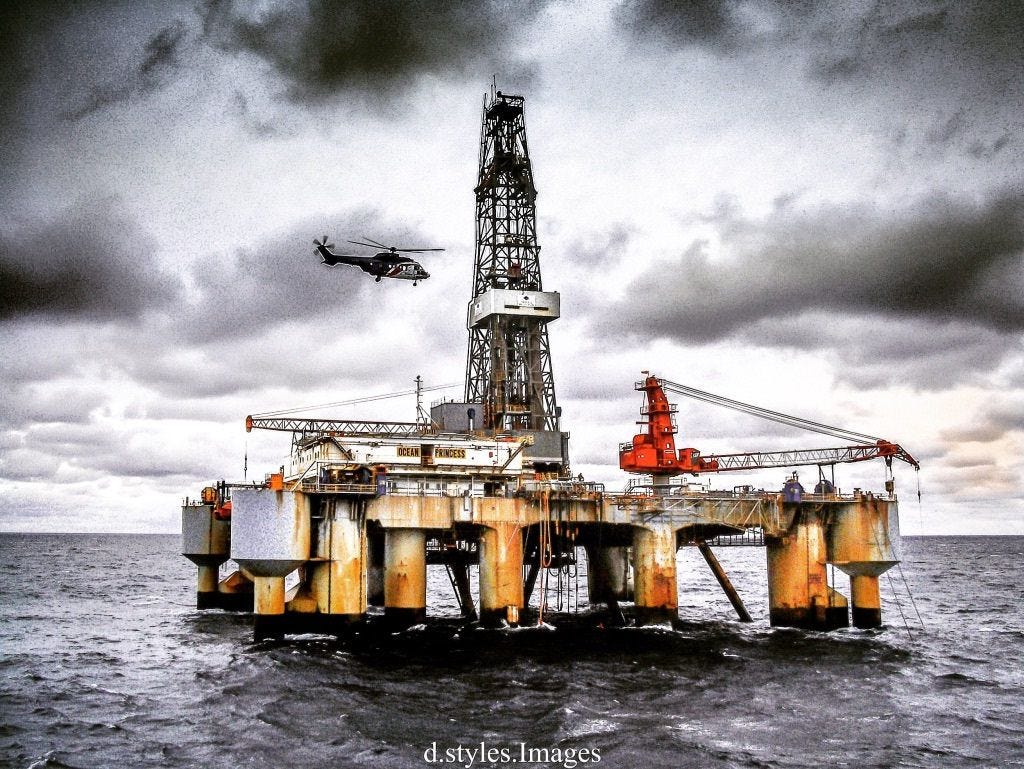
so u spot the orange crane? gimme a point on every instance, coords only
(654, 451)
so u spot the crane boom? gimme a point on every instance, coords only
(654, 451)
(758, 459)
(341, 426)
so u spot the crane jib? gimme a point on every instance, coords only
(654, 451)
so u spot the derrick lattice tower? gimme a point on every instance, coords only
(508, 369)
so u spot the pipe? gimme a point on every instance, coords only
(724, 581)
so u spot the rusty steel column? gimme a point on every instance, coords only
(867, 601)
(501, 573)
(863, 542)
(405, 577)
(798, 590)
(339, 583)
(270, 538)
(654, 566)
(269, 618)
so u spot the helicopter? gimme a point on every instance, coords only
(386, 264)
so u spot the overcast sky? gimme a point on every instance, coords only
(818, 208)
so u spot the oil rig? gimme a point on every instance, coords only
(351, 522)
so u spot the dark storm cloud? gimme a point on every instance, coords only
(63, 403)
(977, 40)
(254, 125)
(710, 23)
(876, 351)
(16, 24)
(268, 315)
(942, 260)
(1004, 415)
(325, 47)
(600, 249)
(984, 150)
(280, 280)
(73, 453)
(92, 262)
(24, 29)
(271, 314)
(957, 60)
(161, 57)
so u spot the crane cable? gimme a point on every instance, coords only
(773, 416)
(892, 584)
(365, 399)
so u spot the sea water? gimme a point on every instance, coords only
(105, 662)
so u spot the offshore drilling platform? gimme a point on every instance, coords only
(362, 507)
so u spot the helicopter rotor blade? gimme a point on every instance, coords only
(371, 243)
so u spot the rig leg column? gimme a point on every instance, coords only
(654, 565)
(501, 574)
(864, 540)
(269, 619)
(405, 576)
(207, 595)
(866, 600)
(798, 590)
(206, 541)
(608, 578)
(608, 574)
(339, 583)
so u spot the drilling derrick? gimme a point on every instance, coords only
(509, 363)
(508, 370)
